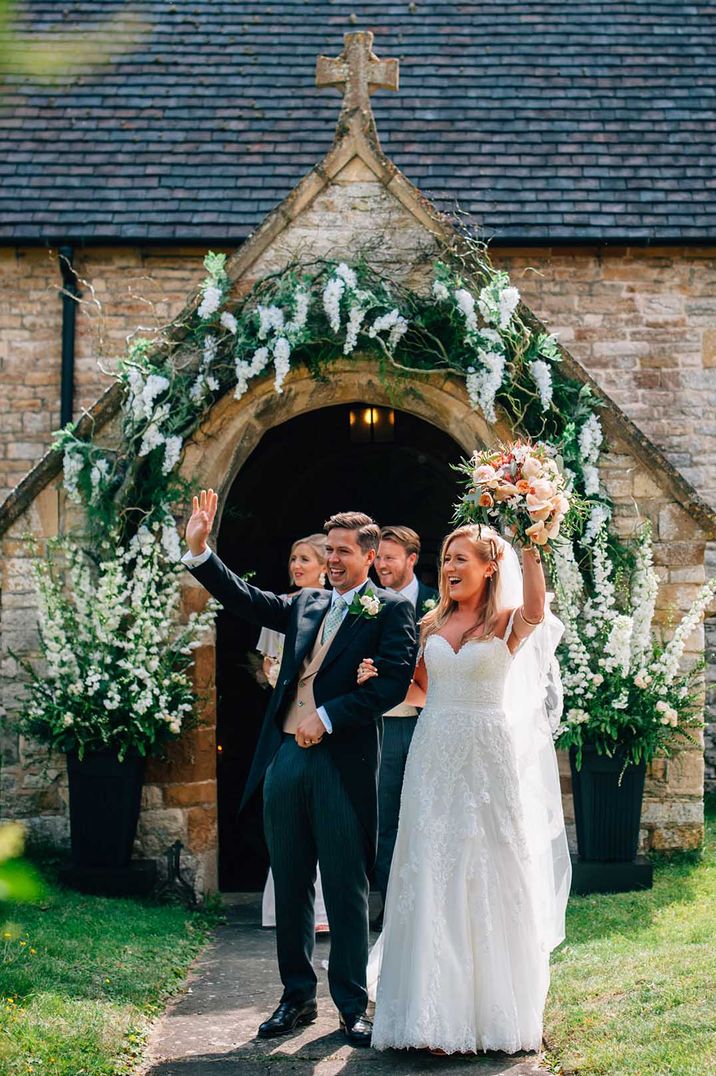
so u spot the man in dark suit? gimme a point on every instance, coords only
(395, 563)
(318, 752)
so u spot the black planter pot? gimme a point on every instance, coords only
(607, 813)
(105, 796)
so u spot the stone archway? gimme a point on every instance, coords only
(186, 784)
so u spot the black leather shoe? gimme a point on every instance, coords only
(357, 1028)
(288, 1016)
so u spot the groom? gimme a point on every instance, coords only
(318, 751)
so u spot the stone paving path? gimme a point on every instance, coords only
(210, 1030)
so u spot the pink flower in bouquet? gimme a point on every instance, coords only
(486, 476)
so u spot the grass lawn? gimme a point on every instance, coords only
(634, 987)
(80, 976)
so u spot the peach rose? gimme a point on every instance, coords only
(504, 491)
(531, 468)
(537, 533)
(485, 476)
(485, 500)
(522, 486)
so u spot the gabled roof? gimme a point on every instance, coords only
(356, 142)
(544, 120)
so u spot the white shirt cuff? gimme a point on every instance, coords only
(193, 562)
(321, 711)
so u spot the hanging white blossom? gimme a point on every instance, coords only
(210, 302)
(332, 301)
(440, 291)
(484, 383)
(229, 322)
(281, 357)
(271, 319)
(466, 305)
(542, 377)
(355, 320)
(345, 273)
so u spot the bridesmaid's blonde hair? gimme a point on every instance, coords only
(488, 546)
(317, 542)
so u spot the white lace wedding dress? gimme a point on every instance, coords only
(464, 955)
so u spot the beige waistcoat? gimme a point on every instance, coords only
(304, 702)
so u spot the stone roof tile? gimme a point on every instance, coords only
(542, 120)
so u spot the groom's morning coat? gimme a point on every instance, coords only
(354, 711)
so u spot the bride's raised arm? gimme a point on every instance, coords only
(531, 612)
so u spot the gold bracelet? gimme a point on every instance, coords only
(532, 622)
(536, 555)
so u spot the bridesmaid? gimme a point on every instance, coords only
(306, 568)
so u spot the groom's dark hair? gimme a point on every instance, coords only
(367, 530)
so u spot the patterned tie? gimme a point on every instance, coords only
(333, 619)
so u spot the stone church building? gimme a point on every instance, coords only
(579, 146)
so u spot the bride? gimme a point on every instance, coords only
(481, 871)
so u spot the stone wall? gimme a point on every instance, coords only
(641, 320)
(638, 320)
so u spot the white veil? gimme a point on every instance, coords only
(533, 706)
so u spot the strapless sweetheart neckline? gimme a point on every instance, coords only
(495, 638)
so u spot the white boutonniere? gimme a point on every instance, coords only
(429, 604)
(366, 605)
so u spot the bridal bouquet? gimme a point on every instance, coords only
(519, 490)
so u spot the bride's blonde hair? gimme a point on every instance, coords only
(488, 545)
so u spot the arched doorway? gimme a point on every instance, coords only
(300, 472)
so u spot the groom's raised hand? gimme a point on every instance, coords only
(201, 521)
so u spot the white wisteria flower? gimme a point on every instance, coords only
(542, 377)
(229, 322)
(210, 302)
(282, 365)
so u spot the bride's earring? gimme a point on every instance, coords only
(322, 579)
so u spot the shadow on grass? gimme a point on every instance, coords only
(600, 915)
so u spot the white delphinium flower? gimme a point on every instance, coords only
(281, 357)
(210, 302)
(542, 377)
(440, 291)
(644, 591)
(466, 305)
(599, 515)
(484, 383)
(617, 648)
(666, 667)
(332, 293)
(229, 322)
(171, 542)
(172, 451)
(355, 319)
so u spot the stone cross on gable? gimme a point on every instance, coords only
(357, 73)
